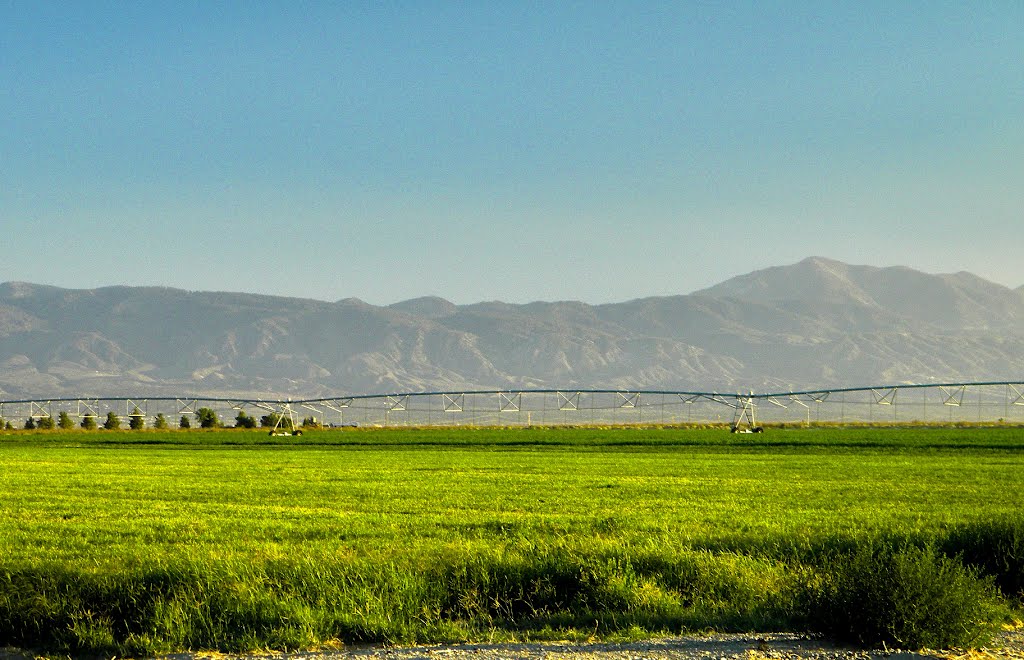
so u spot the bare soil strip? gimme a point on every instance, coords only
(745, 646)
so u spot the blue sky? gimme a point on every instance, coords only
(596, 151)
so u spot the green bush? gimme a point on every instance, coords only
(113, 422)
(207, 418)
(271, 420)
(995, 547)
(64, 421)
(907, 597)
(136, 420)
(244, 421)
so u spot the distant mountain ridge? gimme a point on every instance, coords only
(815, 323)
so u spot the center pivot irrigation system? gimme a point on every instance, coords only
(979, 402)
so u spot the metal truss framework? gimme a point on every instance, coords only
(969, 401)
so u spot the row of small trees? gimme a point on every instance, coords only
(206, 418)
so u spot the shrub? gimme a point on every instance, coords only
(207, 418)
(907, 596)
(64, 420)
(113, 422)
(136, 420)
(996, 548)
(244, 421)
(271, 420)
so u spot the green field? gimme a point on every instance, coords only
(140, 542)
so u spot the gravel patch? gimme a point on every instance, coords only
(743, 646)
(747, 646)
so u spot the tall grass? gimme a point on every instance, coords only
(906, 597)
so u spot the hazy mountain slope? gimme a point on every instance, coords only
(234, 341)
(815, 323)
(573, 344)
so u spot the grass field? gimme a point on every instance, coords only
(141, 542)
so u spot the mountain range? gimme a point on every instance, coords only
(817, 323)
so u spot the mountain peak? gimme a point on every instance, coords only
(823, 262)
(815, 279)
(903, 295)
(352, 300)
(431, 307)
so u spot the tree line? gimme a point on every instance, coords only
(205, 418)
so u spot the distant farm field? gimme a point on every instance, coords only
(155, 541)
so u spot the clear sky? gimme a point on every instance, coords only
(596, 151)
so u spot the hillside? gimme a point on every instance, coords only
(816, 323)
